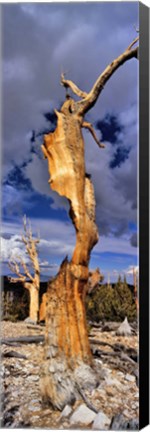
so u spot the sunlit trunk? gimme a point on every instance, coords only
(34, 303)
(67, 354)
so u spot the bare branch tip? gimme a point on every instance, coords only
(133, 43)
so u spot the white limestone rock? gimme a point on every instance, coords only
(82, 415)
(66, 411)
(112, 382)
(130, 378)
(101, 421)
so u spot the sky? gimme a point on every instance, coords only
(39, 41)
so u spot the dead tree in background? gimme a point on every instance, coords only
(67, 355)
(32, 283)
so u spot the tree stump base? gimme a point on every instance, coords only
(67, 363)
(59, 384)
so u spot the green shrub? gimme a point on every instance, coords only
(112, 303)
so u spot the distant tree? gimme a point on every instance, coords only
(29, 281)
(119, 281)
(125, 279)
(123, 301)
(99, 304)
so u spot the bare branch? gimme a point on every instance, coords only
(29, 231)
(28, 285)
(88, 126)
(133, 43)
(26, 271)
(37, 240)
(24, 240)
(14, 280)
(28, 237)
(14, 267)
(72, 86)
(86, 104)
(31, 249)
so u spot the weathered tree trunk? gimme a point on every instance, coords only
(93, 280)
(34, 303)
(67, 354)
(66, 314)
(67, 349)
(42, 308)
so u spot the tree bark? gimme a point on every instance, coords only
(66, 314)
(34, 303)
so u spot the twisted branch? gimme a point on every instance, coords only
(89, 99)
(72, 86)
(89, 126)
(26, 271)
(14, 267)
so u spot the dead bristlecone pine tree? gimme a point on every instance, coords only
(67, 363)
(20, 268)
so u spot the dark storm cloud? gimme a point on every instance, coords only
(109, 127)
(133, 240)
(17, 178)
(120, 155)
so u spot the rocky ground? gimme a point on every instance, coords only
(115, 401)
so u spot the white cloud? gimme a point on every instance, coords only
(12, 249)
(58, 240)
(132, 269)
(114, 245)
